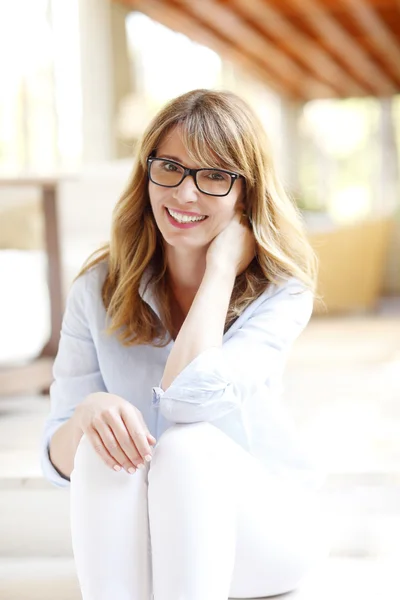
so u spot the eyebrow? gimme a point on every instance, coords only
(177, 159)
(171, 157)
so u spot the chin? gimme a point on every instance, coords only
(184, 240)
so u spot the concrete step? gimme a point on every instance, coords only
(34, 521)
(362, 510)
(344, 578)
(363, 507)
(38, 579)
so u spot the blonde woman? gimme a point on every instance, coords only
(187, 478)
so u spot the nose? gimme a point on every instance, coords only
(186, 191)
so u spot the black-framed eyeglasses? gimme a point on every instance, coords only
(169, 173)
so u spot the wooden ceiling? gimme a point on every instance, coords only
(303, 49)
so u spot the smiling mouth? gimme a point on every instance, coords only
(184, 218)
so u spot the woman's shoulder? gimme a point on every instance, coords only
(96, 276)
(290, 295)
(286, 286)
(86, 287)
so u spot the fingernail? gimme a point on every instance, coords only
(140, 466)
(131, 470)
(116, 468)
(148, 457)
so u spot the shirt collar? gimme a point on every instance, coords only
(146, 290)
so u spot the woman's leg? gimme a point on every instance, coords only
(282, 533)
(220, 526)
(109, 529)
(192, 511)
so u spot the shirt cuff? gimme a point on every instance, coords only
(48, 469)
(203, 391)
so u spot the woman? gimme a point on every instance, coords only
(187, 478)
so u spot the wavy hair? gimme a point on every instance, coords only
(219, 129)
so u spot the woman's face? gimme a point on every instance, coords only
(186, 198)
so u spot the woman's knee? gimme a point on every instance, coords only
(182, 439)
(87, 459)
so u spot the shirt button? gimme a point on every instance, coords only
(156, 396)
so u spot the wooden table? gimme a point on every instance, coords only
(37, 375)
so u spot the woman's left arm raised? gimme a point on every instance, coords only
(228, 255)
(206, 376)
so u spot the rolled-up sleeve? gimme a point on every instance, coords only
(76, 373)
(219, 379)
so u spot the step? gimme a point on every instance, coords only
(34, 521)
(344, 578)
(363, 507)
(38, 579)
(363, 516)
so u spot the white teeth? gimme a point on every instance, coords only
(184, 219)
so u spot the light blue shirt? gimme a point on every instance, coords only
(236, 387)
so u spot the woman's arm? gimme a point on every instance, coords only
(63, 446)
(228, 255)
(76, 373)
(220, 379)
(204, 325)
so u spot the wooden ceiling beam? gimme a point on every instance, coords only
(342, 44)
(331, 6)
(228, 24)
(385, 42)
(175, 19)
(311, 53)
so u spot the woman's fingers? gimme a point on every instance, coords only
(127, 442)
(113, 446)
(150, 438)
(100, 447)
(138, 431)
(124, 439)
(121, 438)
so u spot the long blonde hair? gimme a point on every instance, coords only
(219, 129)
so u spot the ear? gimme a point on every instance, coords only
(241, 201)
(240, 204)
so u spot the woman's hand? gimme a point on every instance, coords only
(116, 430)
(234, 247)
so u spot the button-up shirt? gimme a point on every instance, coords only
(237, 387)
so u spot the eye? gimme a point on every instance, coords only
(168, 166)
(217, 176)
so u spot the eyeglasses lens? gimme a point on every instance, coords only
(210, 181)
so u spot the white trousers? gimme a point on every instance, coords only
(203, 521)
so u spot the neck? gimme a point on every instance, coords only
(185, 270)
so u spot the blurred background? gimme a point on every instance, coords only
(79, 81)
